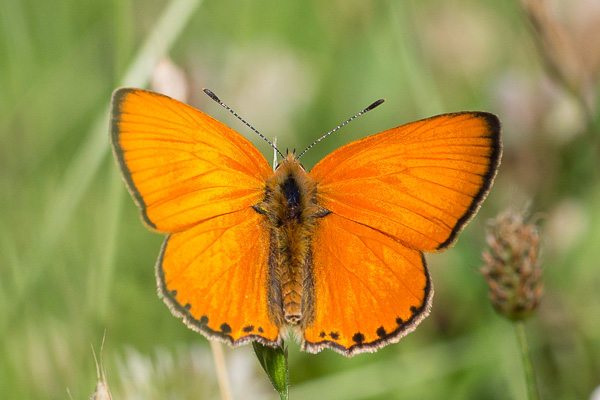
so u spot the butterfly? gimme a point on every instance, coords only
(333, 255)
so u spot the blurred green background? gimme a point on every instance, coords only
(75, 261)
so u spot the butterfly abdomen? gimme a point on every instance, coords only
(291, 209)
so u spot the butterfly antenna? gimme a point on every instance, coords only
(372, 106)
(225, 106)
(275, 153)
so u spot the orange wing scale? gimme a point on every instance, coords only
(420, 182)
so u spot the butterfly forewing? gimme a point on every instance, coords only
(181, 165)
(419, 182)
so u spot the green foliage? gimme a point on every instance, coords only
(76, 261)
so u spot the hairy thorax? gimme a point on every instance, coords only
(291, 210)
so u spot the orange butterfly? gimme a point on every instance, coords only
(334, 255)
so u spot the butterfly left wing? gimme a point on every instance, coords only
(370, 290)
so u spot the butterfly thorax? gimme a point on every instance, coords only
(291, 209)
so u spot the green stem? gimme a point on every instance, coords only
(532, 393)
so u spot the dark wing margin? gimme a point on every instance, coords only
(494, 128)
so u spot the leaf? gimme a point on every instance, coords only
(274, 362)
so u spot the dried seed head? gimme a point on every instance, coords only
(512, 265)
(102, 391)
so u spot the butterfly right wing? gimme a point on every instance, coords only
(180, 165)
(214, 275)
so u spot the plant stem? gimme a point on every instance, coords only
(532, 393)
(219, 359)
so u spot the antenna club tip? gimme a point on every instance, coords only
(211, 95)
(375, 104)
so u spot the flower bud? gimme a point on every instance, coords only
(512, 266)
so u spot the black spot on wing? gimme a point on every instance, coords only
(358, 338)
(225, 328)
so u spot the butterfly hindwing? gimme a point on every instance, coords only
(370, 290)
(420, 182)
(213, 275)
